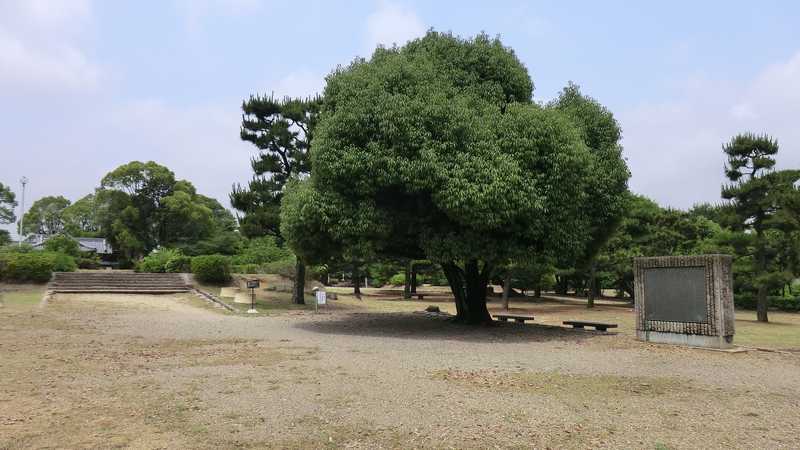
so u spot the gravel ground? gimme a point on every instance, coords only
(98, 371)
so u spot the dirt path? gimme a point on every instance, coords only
(99, 371)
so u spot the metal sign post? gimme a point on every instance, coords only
(252, 285)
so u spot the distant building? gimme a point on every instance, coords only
(99, 246)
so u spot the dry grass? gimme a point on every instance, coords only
(128, 371)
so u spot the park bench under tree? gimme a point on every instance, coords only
(596, 325)
(514, 317)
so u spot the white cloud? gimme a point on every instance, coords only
(392, 24)
(302, 83)
(40, 46)
(675, 148)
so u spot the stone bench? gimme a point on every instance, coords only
(514, 317)
(596, 325)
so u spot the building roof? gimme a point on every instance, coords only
(97, 245)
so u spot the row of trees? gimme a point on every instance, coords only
(138, 207)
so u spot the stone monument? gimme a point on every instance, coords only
(684, 300)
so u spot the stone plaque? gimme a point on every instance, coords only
(684, 300)
(676, 294)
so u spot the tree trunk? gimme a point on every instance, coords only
(506, 289)
(407, 281)
(413, 279)
(469, 290)
(591, 289)
(761, 296)
(561, 285)
(356, 282)
(298, 296)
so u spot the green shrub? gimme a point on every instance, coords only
(260, 251)
(398, 279)
(164, 260)
(246, 268)
(34, 267)
(284, 267)
(88, 261)
(212, 268)
(61, 243)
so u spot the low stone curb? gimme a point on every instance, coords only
(213, 298)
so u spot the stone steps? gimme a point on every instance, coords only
(118, 282)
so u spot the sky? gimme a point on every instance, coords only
(86, 86)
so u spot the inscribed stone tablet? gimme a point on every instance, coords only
(676, 294)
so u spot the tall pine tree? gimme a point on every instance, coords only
(281, 130)
(759, 196)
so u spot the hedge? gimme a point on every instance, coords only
(34, 267)
(211, 268)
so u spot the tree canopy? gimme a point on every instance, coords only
(45, 216)
(436, 151)
(140, 206)
(762, 200)
(7, 204)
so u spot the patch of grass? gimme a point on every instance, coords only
(21, 295)
(781, 332)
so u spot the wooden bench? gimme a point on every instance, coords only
(516, 318)
(596, 325)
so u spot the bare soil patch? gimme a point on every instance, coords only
(128, 371)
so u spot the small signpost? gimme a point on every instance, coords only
(253, 285)
(321, 298)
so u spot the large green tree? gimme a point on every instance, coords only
(80, 218)
(45, 216)
(7, 204)
(281, 130)
(436, 151)
(601, 133)
(141, 206)
(761, 198)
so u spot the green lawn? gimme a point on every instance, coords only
(21, 295)
(782, 331)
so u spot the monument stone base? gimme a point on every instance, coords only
(691, 340)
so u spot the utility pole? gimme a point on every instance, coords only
(23, 181)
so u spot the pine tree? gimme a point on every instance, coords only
(281, 130)
(759, 196)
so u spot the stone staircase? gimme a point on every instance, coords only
(119, 282)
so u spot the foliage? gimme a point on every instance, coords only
(436, 151)
(5, 237)
(141, 206)
(649, 230)
(763, 201)
(88, 261)
(45, 216)
(61, 243)
(398, 279)
(33, 266)
(281, 130)
(80, 218)
(7, 204)
(260, 251)
(212, 268)
(164, 260)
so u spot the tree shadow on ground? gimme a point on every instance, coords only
(430, 327)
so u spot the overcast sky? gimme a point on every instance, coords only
(88, 85)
